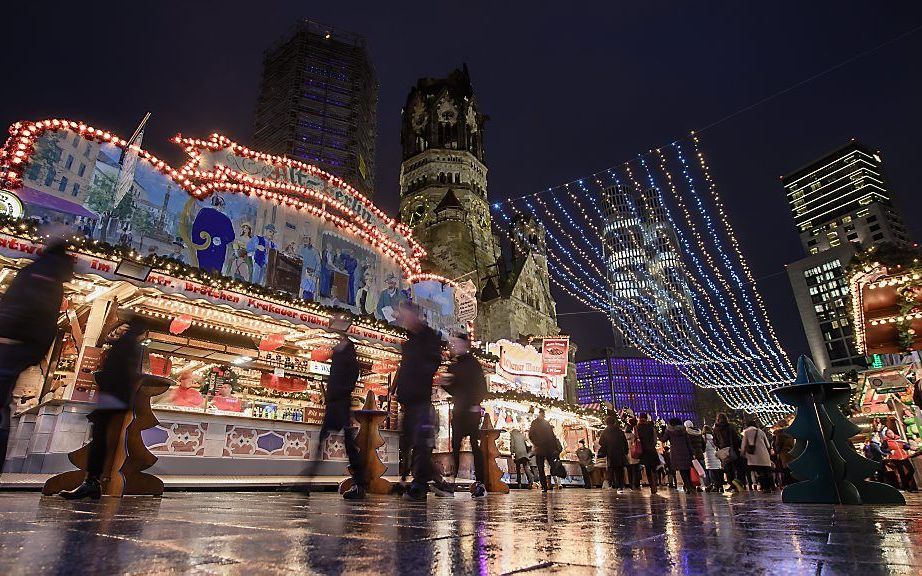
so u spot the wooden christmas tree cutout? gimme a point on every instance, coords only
(369, 439)
(492, 480)
(128, 456)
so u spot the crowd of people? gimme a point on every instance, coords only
(887, 447)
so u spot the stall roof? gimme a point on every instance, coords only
(52, 202)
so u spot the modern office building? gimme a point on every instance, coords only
(843, 198)
(841, 205)
(641, 384)
(318, 102)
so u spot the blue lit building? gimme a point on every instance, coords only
(641, 384)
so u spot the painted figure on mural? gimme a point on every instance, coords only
(212, 232)
(239, 265)
(389, 299)
(310, 267)
(258, 248)
(327, 266)
(349, 264)
(366, 300)
(177, 250)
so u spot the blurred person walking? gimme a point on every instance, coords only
(680, 451)
(467, 386)
(547, 447)
(117, 384)
(727, 440)
(633, 454)
(519, 451)
(28, 322)
(585, 457)
(344, 373)
(421, 355)
(712, 465)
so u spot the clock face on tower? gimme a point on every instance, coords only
(418, 119)
(447, 111)
(417, 214)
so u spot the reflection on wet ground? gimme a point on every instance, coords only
(571, 532)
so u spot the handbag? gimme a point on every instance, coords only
(557, 469)
(695, 477)
(697, 467)
(636, 449)
(725, 455)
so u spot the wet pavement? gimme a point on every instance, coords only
(570, 532)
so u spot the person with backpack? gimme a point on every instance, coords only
(756, 449)
(547, 446)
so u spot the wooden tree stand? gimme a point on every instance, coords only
(128, 456)
(369, 440)
(492, 474)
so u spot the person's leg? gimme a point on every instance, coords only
(479, 461)
(619, 477)
(99, 443)
(10, 369)
(541, 473)
(686, 480)
(651, 477)
(587, 477)
(456, 439)
(359, 478)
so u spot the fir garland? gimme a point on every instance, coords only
(528, 397)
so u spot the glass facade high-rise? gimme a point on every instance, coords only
(318, 103)
(641, 384)
(841, 205)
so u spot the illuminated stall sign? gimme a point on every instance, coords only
(248, 216)
(555, 356)
(522, 367)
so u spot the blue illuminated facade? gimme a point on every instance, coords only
(641, 384)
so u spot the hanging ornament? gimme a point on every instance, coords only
(180, 324)
(271, 342)
(322, 354)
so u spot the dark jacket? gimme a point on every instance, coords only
(646, 433)
(468, 387)
(30, 307)
(613, 445)
(419, 361)
(121, 370)
(542, 437)
(344, 373)
(585, 456)
(697, 443)
(680, 448)
(725, 435)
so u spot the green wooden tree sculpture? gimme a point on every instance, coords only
(826, 464)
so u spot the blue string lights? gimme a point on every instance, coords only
(678, 288)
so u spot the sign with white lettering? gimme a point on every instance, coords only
(10, 204)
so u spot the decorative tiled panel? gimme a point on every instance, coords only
(334, 448)
(242, 441)
(175, 438)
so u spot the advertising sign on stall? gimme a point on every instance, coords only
(554, 356)
(522, 367)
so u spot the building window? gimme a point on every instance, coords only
(76, 141)
(75, 190)
(70, 161)
(63, 184)
(874, 227)
(86, 151)
(871, 218)
(877, 237)
(49, 177)
(82, 169)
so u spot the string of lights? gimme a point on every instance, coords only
(674, 287)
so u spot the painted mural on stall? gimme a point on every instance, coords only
(72, 180)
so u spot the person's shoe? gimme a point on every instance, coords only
(415, 492)
(443, 490)
(620, 490)
(738, 485)
(355, 493)
(89, 489)
(478, 490)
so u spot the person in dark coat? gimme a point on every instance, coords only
(547, 447)
(680, 450)
(585, 456)
(727, 436)
(468, 388)
(344, 373)
(613, 445)
(117, 383)
(28, 322)
(646, 432)
(420, 358)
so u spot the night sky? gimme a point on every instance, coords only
(569, 91)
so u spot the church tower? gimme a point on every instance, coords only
(443, 198)
(443, 178)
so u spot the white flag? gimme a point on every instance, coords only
(128, 162)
